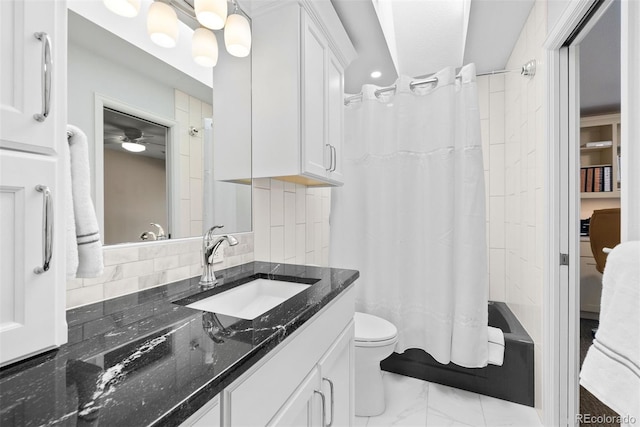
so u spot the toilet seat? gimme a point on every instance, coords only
(373, 331)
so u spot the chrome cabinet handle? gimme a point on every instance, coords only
(47, 68)
(47, 229)
(331, 157)
(334, 159)
(324, 408)
(332, 399)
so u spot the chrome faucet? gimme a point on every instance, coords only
(148, 235)
(161, 235)
(209, 247)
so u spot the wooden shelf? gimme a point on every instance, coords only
(601, 195)
(601, 128)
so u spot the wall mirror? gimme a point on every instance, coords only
(193, 122)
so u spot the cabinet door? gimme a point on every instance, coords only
(335, 114)
(207, 416)
(336, 371)
(29, 302)
(314, 92)
(304, 407)
(22, 67)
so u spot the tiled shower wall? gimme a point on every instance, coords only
(513, 113)
(524, 172)
(291, 222)
(491, 107)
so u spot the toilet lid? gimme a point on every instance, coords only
(372, 328)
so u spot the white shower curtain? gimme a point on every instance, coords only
(411, 215)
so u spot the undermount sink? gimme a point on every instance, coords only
(250, 300)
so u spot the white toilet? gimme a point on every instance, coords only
(375, 339)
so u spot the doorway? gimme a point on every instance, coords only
(563, 285)
(598, 144)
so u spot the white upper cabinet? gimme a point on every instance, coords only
(32, 214)
(31, 59)
(300, 51)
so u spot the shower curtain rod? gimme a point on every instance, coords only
(527, 70)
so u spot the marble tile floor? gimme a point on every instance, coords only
(413, 402)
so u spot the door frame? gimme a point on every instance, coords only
(561, 290)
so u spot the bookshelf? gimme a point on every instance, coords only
(599, 156)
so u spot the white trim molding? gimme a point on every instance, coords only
(629, 123)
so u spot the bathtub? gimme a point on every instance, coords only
(513, 381)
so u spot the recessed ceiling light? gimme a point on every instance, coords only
(376, 74)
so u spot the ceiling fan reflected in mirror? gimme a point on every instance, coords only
(132, 140)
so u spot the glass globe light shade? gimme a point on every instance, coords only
(204, 47)
(211, 13)
(237, 35)
(126, 8)
(162, 24)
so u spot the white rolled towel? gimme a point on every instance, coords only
(90, 261)
(496, 346)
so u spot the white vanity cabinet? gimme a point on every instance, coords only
(32, 220)
(300, 51)
(307, 380)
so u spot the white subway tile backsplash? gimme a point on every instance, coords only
(277, 203)
(301, 204)
(85, 295)
(181, 100)
(166, 263)
(277, 244)
(301, 243)
(138, 268)
(262, 223)
(290, 224)
(113, 255)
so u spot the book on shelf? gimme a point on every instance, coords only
(595, 179)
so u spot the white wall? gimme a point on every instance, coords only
(88, 74)
(291, 222)
(135, 194)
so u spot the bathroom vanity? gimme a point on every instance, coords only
(147, 359)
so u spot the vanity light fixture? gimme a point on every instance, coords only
(211, 13)
(204, 47)
(237, 34)
(162, 24)
(126, 8)
(201, 15)
(134, 147)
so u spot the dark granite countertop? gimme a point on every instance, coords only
(141, 359)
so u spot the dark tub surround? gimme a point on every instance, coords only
(142, 359)
(513, 381)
